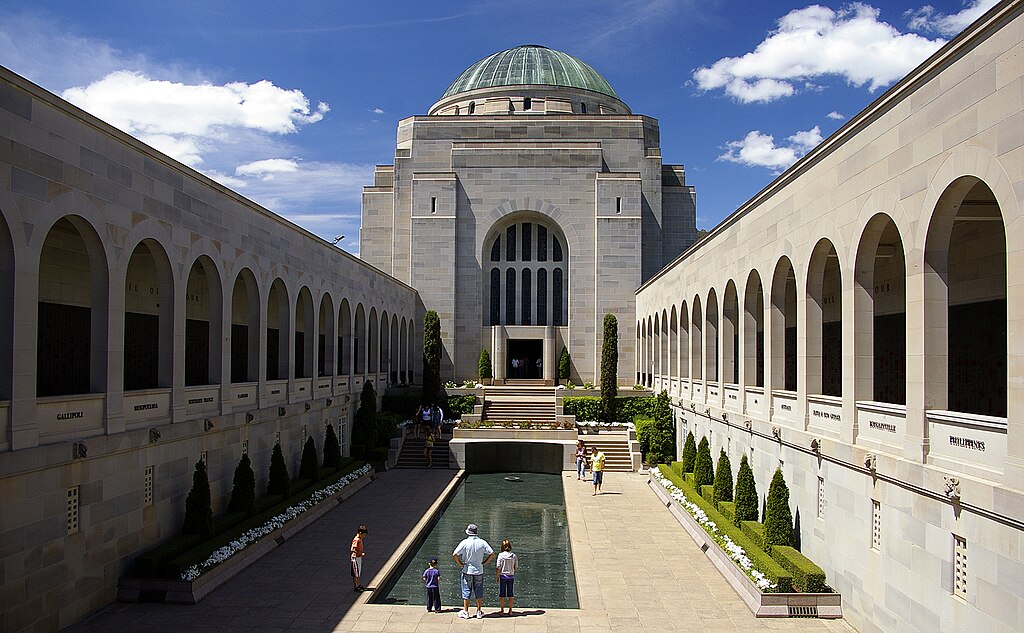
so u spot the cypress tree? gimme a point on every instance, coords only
(723, 478)
(307, 467)
(764, 507)
(198, 508)
(364, 431)
(689, 453)
(332, 449)
(564, 365)
(609, 367)
(431, 356)
(746, 493)
(483, 366)
(796, 530)
(703, 467)
(277, 482)
(243, 488)
(778, 519)
(662, 441)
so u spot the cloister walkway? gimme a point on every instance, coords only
(637, 570)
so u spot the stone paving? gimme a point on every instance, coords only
(636, 568)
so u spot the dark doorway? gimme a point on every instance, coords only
(524, 359)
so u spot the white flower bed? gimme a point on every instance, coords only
(735, 552)
(255, 534)
(606, 425)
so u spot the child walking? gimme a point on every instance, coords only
(506, 571)
(428, 449)
(432, 582)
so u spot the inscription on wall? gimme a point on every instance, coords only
(785, 407)
(200, 400)
(70, 415)
(966, 442)
(835, 417)
(147, 406)
(882, 426)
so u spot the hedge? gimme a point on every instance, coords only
(459, 405)
(807, 577)
(708, 492)
(754, 530)
(644, 429)
(677, 468)
(627, 409)
(766, 564)
(728, 508)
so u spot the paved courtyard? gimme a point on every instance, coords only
(636, 570)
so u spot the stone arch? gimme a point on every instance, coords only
(326, 340)
(345, 337)
(528, 246)
(783, 326)
(753, 331)
(304, 334)
(245, 327)
(203, 310)
(673, 342)
(7, 260)
(359, 365)
(278, 328)
(824, 320)
(697, 340)
(148, 317)
(684, 341)
(730, 334)
(372, 342)
(711, 337)
(394, 352)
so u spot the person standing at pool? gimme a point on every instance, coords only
(597, 467)
(507, 565)
(581, 459)
(356, 556)
(432, 583)
(472, 554)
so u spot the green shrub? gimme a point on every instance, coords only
(364, 429)
(628, 409)
(564, 365)
(728, 508)
(277, 482)
(775, 572)
(796, 530)
(746, 492)
(723, 478)
(754, 530)
(243, 487)
(689, 453)
(661, 442)
(483, 366)
(404, 405)
(457, 406)
(703, 468)
(778, 520)
(431, 356)
(644, 428)
(708, 492)
(609, 367)
(332, 449)
(688, 478)
(677, 468)
(307, 466)
(198, 508)
(387, 425)
(807, 577)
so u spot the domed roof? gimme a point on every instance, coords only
(530, 65)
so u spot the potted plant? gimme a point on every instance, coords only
(484, 367)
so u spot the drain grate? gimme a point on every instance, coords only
(810, 611)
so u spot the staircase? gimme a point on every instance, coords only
(520, 403)
(614, 445)
(412, 453)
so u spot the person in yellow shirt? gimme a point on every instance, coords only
(597, 467)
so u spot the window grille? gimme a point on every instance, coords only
(821, 497)
(876, 524)
(959, 567)
(73, 510)
(147, 487)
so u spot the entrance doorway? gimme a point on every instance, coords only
(524, 359)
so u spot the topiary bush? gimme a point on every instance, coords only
(662, 439)
(564, 365)
(332, 449)
(746, 492)
(364, 430)
(807, 577)
(277, 482)
(778, 519)
(723, 478)
(689, 454)
(703, 468)
(198, 508)
(483, 366)
(307, 466)
(609, 367)
(243, 487)
(431, 356)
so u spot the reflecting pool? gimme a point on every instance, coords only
(529, 511)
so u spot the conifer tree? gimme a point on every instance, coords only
(243, 487)
(198, 508)
(703, 467)
(564, 365)
(332, 449)
(277, 482)
(364, 430)
(796, 530)
(431, 357)
(746, 492)
(609, 367)
(723, 478)
(689, 453)
(661, 441)
(483, 366)
(307, 467)
(778, 519)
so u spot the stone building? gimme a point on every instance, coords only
(149, 318)
(528, 203)
(859, 325)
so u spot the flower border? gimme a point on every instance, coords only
(253, 536)
(734, 551)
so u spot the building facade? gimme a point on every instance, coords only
(528, 203)
(149, 318)
(860, 325)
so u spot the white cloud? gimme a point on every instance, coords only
(813, 42)
(758, 149)
(835, 116)
(377, 111)
(928, 19)
(175, 116)
(266, 168)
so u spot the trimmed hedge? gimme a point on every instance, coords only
(807, 577)
(728, 508)
(708, 492)
(677, 468)
(644, 430)
(754, 530)
(457, 406)
(774, 571)
(627, 409)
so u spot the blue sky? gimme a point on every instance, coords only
(291, 104)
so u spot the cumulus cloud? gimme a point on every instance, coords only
(928, 19)
(835, 116)
(377, 111)
(266, 168)
(814, 42)
(758, 149)
(175, 116)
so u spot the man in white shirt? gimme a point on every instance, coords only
(472, 554)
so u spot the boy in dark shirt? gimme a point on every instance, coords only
(431, 580)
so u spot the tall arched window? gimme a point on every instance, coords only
(542, 297)
(510, 296)
(557, 311)
(495, 296)
(533, 288)
(527, 303)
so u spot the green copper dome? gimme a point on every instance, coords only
(530, 65)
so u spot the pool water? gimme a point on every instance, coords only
(530, 512)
